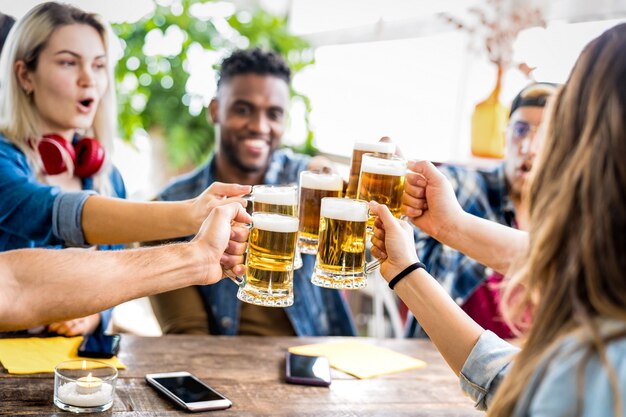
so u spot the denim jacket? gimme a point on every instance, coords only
(551, 390)
(37, 215)
(482, 193)
(316, 311)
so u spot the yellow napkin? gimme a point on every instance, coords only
(32, 355)
(360, 359)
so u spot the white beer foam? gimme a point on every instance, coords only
(381, 147)
(344, 209)
(282, 196)
(382, 166)
(275, 222)
(315, 181)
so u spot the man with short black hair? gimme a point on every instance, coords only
(493, 194)
(249, 113)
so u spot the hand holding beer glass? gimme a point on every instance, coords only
(313, 187)
(270, 260)
(279, 199)
(340, 259)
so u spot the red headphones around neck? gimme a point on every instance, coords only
(87, 155)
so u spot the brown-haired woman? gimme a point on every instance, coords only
(569, 297)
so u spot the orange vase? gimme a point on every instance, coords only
(488, 123)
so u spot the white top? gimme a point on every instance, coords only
(380, 147)
(344, 209)
(317, 181)
(279, 195)
(382, 166)
(275, 222)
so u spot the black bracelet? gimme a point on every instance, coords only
(405, 272)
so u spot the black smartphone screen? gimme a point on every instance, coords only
(98, 345)
(311, 370)
(188, 389)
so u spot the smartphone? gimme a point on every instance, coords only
(98, 345)
(188, 391)
(307, 370)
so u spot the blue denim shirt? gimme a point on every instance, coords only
(551, 390)
(482, 193)
(316, 311)
(37, 215)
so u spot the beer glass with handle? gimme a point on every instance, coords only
(269, 262)
(314, 186)
(383, 149)
(340, 261)
(382, 180)
(279, 199)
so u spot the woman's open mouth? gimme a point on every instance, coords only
(86, 105)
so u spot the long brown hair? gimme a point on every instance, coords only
(576, 265)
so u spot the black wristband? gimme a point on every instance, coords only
(405, 272)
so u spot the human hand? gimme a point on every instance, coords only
(76, 327)
(429, 201)
(217, 194)
(392, 242)
(221, 241)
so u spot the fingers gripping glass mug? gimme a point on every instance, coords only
(383, 149)
(270, 261)
(340, 261)
(279, 199)
(382, 180)
(313, 187)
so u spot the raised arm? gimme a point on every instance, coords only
(111, 221)
(451, 330)
(40, 286)
(430, 204)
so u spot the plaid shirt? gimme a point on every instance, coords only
(482, 193)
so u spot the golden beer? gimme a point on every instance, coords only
(269, 262)
(313, 187)
(340, 259)
(280, 199)
(384, 149)
(382, 180)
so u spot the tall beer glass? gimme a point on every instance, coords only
(384, 149)
(279, 199)
(340, 259)
(313, 187)
(382, 180)
(269, 262)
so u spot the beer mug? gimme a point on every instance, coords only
(270, 260)
(384, 149)
(279, 199)
(313, 187)
(382, 180)
(340, 261)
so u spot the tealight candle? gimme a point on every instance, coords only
(87, 390)
(88, 384)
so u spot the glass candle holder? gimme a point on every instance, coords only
(84, 386)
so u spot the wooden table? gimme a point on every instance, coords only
(250, 372)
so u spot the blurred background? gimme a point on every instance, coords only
(414, 70)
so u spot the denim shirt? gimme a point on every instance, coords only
(551, 389)
(482, 193)
(316, 311)
(37, 215)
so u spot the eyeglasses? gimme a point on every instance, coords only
(521, 130)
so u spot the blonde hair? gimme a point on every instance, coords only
(577, 198)
(19, 118)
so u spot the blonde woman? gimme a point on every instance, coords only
(569, 298)
(57, 186)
